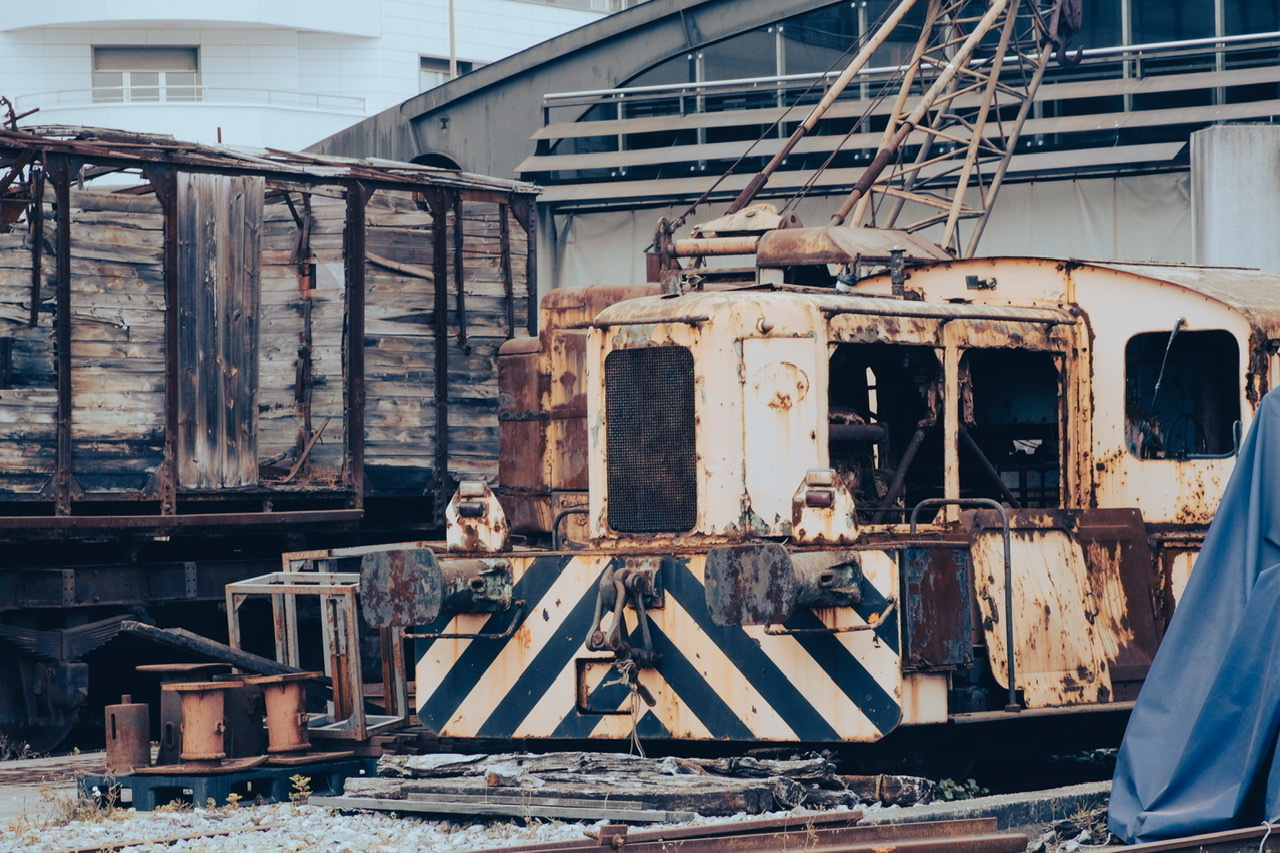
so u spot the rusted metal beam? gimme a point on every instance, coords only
(438, 206)
(522, 207)
(180, 638)
(459, 277)
(869, 47)
(164, 484)
(926, 102)
(818, 832)
(36, 223)
(177, 522)
(60, 169)
(703, 246)
(504, 251)
(358, 195)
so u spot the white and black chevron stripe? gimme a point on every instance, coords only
(711, 681)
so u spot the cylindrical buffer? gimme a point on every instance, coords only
(203, 728)
(170, 728)
(128, 736)
(287, 718)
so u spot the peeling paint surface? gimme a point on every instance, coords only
(1059, 628)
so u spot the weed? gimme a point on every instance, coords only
(92, 805)
(15, 750)
(301, 789)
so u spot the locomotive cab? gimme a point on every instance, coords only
(714, 415)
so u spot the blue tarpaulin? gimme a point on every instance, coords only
(1199, 753)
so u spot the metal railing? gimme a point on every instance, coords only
(1133, 105)
(1130, 53)
(191, 94)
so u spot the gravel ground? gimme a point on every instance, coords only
(61, 824)
(279, 827)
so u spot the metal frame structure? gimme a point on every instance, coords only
(340, 647)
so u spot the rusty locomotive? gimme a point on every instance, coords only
(207, 355)
(961, 490)
(821, 484)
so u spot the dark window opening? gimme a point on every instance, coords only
(885, 438)
(1010, 417)
(650, 440)
(1182, 394)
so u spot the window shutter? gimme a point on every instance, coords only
(146, 58)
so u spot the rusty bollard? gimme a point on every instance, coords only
(171, 703)
(128, 736)
(287, 718)
(203, 728)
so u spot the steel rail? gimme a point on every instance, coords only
(815, 833)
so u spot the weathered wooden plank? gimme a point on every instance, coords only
(116, 218)
(90, 269)
(219, 224)
(118, 235)
(96, 200)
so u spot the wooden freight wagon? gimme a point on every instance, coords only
(202, 347)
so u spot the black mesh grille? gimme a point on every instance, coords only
(650, 435)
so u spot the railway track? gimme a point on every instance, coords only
(829, 833)
(841, 833)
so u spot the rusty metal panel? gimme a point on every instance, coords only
(219, 228)
(783, 391)
(522, 387)
(937, 629)
(1069, 585)
(522, 437)
(568, 408)
(400, 587)
(1118, 554)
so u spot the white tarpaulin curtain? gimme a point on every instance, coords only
(1136, 218)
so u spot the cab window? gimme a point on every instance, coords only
(1182, 394)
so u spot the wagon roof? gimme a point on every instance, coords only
(117, 149)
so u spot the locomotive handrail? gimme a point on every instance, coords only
(1237, 432)
(517, 619)
(1012, 705)
(555, 523)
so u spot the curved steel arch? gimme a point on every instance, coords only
(484, 119)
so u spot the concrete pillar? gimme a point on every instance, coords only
(1235, 195)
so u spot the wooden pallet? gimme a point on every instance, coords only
(270, 782)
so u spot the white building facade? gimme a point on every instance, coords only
(279, 74)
